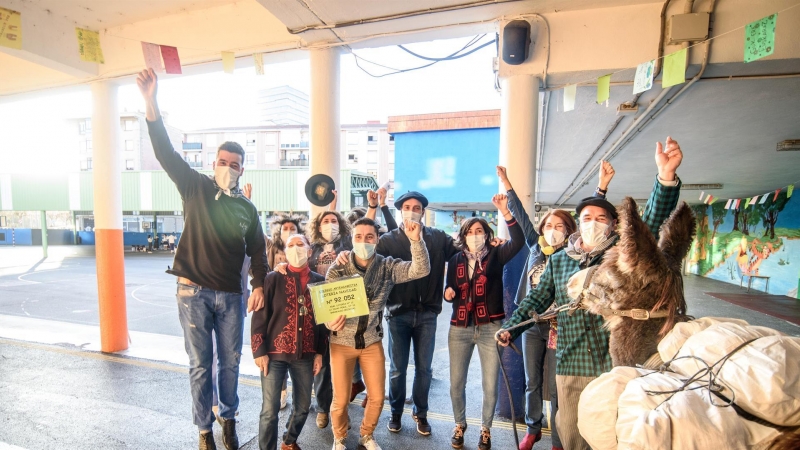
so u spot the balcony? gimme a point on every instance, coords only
(294, 163)
(192, 145)
(198, 164)
(302, 144)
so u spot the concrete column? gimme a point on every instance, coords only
(325, 128)
(44, 233)
(109, 251)
(519, 128)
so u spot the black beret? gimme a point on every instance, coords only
(597, 201)
(409, 195)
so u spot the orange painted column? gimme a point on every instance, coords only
(109, 249)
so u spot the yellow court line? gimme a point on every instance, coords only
(245, 381)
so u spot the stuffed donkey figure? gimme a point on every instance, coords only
(639, 288)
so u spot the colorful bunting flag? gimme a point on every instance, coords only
(789, 191)
(603, 88)
(753, 200)
(258, 61)
(728, 203)
(759, 38)
(152, 57)
(777, 191)
(746, 203)
(643, 81)
(570, 92)
(89, 46)
(228, 62)
(702, 194)
(674, 69)
(172, 62)
(713, 199)
(10, 29)
(763, 199)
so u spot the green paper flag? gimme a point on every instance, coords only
(789, 191)
(674, 69)
(603, 88)
(747, 203)
(759, 38)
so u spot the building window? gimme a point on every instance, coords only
(86, 164)
(250, 160)
(251, 139)
(212, 157)
(129, 125)
(129, 164)
(352, 137)
(391, 138)
(374, 173)
(351, 157)
(372, 138)
(85, 126)
(129, 145)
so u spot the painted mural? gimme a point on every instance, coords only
(762, 239)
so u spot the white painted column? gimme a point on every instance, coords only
(109, 250)
(519, 130)
(325, 144)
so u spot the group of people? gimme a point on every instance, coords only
(408, 271)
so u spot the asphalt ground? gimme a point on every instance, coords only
(62, 396)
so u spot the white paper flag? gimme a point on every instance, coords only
(728, 203)
(702, 194)
(569, 96)
(643, 80)
(763, 199)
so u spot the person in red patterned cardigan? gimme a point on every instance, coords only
(285, 338)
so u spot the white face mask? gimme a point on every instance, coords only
(412, 216)
(329, 231)
(226, 177)
(593, 232)
(297, 256)
(553, 237)
(285, 235)
(363, 250)
(476, 242)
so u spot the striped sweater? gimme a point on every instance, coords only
(381, 275)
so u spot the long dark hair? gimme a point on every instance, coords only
(461, 242)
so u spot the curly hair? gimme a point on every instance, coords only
(461, 241)
(277, 224)
(313, 230)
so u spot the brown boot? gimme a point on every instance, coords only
(293, 446)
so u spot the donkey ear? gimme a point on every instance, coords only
(677, 233)
(637, 247)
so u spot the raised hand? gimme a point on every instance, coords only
(382, 194)
(500, 201)
(147, 80)
(372, 198)
(606, 174)
(449, 294)
(503, 175)
(247, 191)
(668, 159)
(413, 229)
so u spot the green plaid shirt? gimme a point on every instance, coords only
(582, 344)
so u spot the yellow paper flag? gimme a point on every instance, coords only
(258, 61)
(228, 62)
(789, 191)
(674, 69)
(89, 46)
(603, 88)
(10, 29)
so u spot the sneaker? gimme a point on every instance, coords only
(529, 440)
(485, 442)
(423, 427)
(457, 440)
(293, 446)
(338, 444)
(229, 437)
(357, 389)
(322, 419)
(283, 398)
(395, 423)
(368, 442)
(207, 441)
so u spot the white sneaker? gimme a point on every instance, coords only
(369, 443)
(283, 398)
(338, 444)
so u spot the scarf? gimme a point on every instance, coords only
(235, 192)
(472, 289)
(575, 250)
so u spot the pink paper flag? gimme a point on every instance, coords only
(753, 200)
(763, 199)
(728, 204)
(152, 57)
(738, 202)
(172, 62)
(777, 192)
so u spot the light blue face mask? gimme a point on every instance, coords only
(363, 250)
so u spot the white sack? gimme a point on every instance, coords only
(597, 407)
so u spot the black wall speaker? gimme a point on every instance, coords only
(516, 41)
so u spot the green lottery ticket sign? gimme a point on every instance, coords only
(345, 296)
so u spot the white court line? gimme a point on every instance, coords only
(4, 446)
(133, 294)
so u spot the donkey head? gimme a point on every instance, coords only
(640, 273)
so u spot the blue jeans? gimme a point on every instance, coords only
(323, 388)
(201, 311)
(461, 341)
(418, 327)
(302, 373)
(535, 354)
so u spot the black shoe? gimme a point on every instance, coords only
(229, 437)
(395, 424)
(457, 440)
(423, 427)
(207, 441)
(485, 442)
